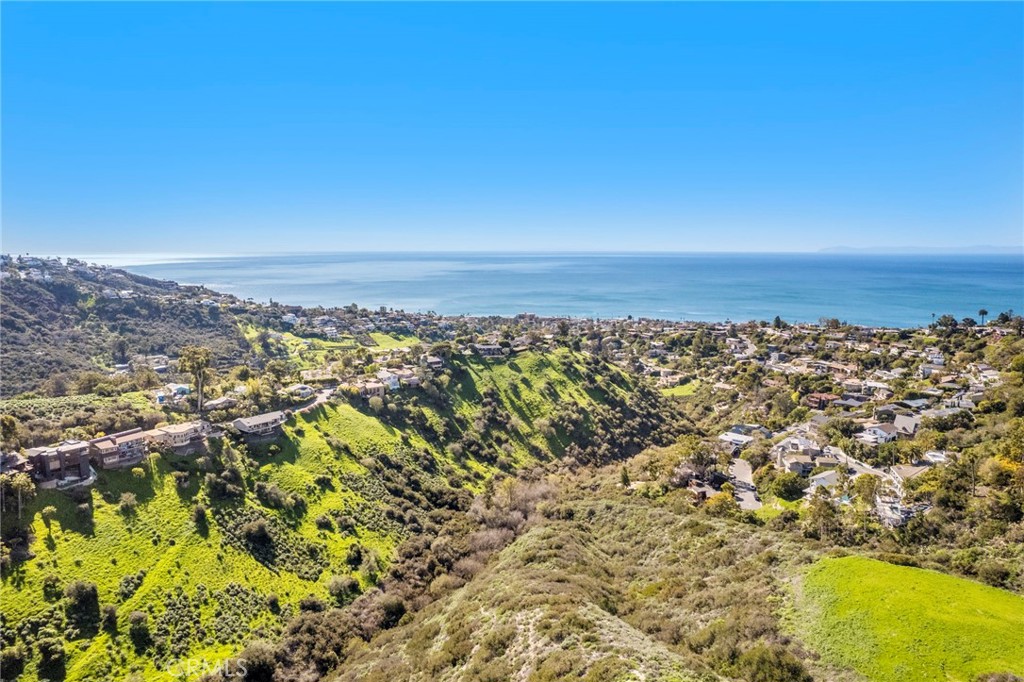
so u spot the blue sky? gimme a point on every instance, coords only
(189, 127)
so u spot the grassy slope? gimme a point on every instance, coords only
(907, 624)
(114, 546)
(683, 390)
(388, 341)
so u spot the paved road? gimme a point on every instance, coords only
(743, 479)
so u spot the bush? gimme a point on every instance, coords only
(109, 618)
(994, 573)
(51, 657)
(312, 604)
(138, 472)
(12, 660)
(83, 605)
(51, 588)
(128, 503)
(771, 664)
(392, 608)
(138, 630)
(257, 533)
(260, 662)
(343, 588)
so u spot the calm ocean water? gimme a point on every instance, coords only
(875, 290)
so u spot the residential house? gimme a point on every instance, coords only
(372, 389)
(389, 379)
(177, 390)
(61, 466)
(14, 462)
(737, 440)
(877, 434)
(488, 350)
(796, 463)
(261, 424)
(906, 425)
(178, 435)
(819, 401)
(432, 362)
(826, 479)
(119, 450)
(301, 391)
(223, 403)
(904, 473)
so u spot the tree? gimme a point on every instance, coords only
(982, 313)
(49, 513)
(120, 349)
(18, 486)
(788, 486)
(697, 453)
(195, 360)
(866, 487)
(822, 515)
(8, 430)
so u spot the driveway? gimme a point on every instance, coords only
(743, 479)
(322, 397)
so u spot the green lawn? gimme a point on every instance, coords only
(388, 342)
(908, 624)
(682, 390)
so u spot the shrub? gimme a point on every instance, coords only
(138, 630)
(312, 604)
(324, 522)
(51, 588)
(392, 608)
(83, 605)
(257, 532)
(12, 660)
(128, 503)
(343, 588)
(260, 662)
(771, 664)
(994, 573)
(109, 617)
(138, 472)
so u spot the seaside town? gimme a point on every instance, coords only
(845, 401)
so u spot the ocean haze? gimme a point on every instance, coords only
(895, 290)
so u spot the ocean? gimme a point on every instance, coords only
(897, 290)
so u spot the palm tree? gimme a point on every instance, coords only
(195, 360)
(982, 313)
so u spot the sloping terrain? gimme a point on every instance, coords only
(63, 327)
(904, 624)
(214, 551)
(609, 586)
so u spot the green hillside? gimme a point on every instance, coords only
(334, 498)
(902, 624)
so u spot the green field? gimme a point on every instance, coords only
(902, 624)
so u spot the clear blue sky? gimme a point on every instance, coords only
(190, 128)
